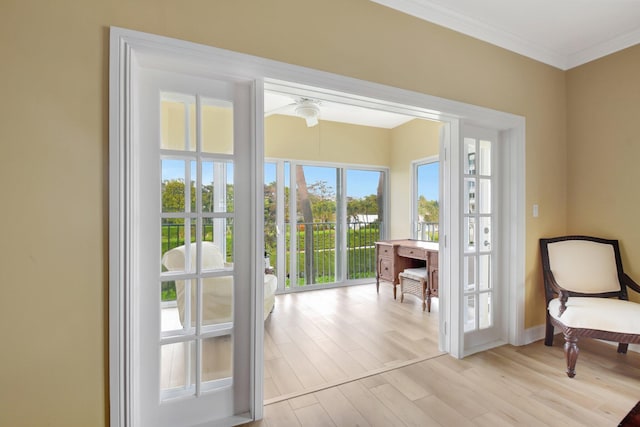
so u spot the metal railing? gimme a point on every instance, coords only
(319, 265)
(428, 231)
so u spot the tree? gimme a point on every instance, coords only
(304, 204)
(429, 210)
(270, 209)
(380, 197)
(173, 196)
(323, 202)
(367, 205)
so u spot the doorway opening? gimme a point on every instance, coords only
(134, 52)
(337, 179)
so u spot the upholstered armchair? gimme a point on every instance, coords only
(586, 294)
(217, 291)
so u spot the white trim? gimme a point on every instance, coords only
(119, 323)
(200, 60)
(533, 334)
(257, 238)
(443, 16)
(514, 175)
(449, 289)
(603, 49)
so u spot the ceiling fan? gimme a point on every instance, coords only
(306, 108)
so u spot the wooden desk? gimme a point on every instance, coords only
(394, 256)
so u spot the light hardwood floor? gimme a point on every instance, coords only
(318, 338)
(350, 357)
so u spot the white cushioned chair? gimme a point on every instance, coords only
(217, 291)
(586, 294)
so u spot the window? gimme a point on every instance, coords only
(426, 204)
(323, 231)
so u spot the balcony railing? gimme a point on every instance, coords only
(428, 231)
(319, 265)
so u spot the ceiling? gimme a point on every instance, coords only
(561, 33)
(280, 103)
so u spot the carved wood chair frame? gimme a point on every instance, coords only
(554, 290)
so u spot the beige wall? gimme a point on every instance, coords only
(414, 140)
(54, 161)
(603, 130)
(289, 137)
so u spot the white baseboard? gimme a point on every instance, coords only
(534, 334)
(537, 333)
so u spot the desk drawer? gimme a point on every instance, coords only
(415, 253)
(385, 269)
(385, 251)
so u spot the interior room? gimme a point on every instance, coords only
(326, 337)
(580, 106)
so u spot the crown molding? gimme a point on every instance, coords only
(603, 49)
(436, 14)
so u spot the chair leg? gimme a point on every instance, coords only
(622, 347)
(571, 354)
(548, 337)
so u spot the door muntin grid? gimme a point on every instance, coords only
(196, 163)
(478, 243)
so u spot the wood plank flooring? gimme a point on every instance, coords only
(350, 357)
(320, 338)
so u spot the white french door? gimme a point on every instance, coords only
(482, 293)
(191, 288)
(136, 278)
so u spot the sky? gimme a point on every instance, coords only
(175, 169)
(361, 183)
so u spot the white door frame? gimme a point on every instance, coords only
(195, 59)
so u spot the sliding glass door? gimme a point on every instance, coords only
(321, 222)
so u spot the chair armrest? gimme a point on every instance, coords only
(557, 289)
(629, 282)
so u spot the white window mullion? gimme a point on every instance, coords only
(293, 252)
(281, 231)
(198, 341)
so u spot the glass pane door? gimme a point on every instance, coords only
(480, 314)
(193, 296)
(325, 232)
(315, 229)
(196, 280)
(365, 220)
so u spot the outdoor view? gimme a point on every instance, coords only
(428, 207)
(327, 248)
(216, 190)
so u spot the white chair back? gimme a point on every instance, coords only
(584, 266)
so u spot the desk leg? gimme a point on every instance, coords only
(394, 290)
(425, 294)
(377, 284)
